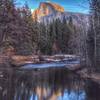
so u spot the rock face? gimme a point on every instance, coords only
(46, 9)
(47, 12)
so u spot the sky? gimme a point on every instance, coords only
(81, 6)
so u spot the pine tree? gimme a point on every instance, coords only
(16, 28)
(94, 35)
(7, 20)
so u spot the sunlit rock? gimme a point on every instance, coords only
(45, 9)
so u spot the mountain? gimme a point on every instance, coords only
(48, 11)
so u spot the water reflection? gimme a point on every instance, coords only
(93, 91)
(45, 84)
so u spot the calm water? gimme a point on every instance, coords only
(45, 84)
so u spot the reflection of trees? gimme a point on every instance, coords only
(92, 91)
(44, 84)
(6, 83)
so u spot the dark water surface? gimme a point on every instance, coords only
(45, 84)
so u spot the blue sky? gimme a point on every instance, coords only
(81, 6)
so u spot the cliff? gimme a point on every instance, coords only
(46, 9)
(47, 12)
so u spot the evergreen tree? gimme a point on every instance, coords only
(7, 22)
(94, 35)
(16, 27)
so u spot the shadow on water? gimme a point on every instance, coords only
(46, 84)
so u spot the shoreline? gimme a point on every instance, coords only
(17, 61)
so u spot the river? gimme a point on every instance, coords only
(48, 83)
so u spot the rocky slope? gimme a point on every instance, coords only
(46, 9)
(47, 12)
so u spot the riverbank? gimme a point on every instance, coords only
(94, 76)
(18, 61)
(84, 73)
